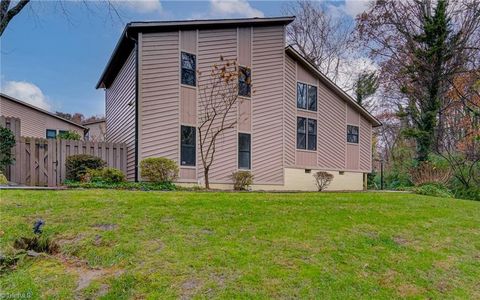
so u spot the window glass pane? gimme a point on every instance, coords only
(352, 134)
(244, 143)
(51, 134)
(188, 69)
(312, 126)
(312, 135)
(301, 133)
(301, 95)
(244, 160)
(244, 81)
(187, 152)
(312, 97)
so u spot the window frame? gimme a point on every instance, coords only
(46, 133)
(185, 163)
(310, 135)
(306, 95)
(182, 69)
(308, 87)
(248, 84)
(357, 135)
(249, 151)
(307, 134)
(302, 133)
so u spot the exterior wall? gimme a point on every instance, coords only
(34, 123)
(120, 111)
(97, 131)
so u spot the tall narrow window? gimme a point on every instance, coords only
(51, 134)
(312, 97)
(301, 133)
(244, 151)
(244, 81)
(189, 67)
(312, 135)
(187, 156)
(301, 95)
(352, 134)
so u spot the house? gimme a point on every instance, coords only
(36, 122)
(295, 123)
(97, 130)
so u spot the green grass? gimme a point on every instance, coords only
(245, 245)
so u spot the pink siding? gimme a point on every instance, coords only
(120, 111)
(209, 50)
(353, 117)
(189, 41)
(159, 95)
(306, 159)
(352, 157)
(245, 46)
(290, 107)
(188, 105)
(365, 145)
(267, 118)
(305, 76)
(188, 174)
(331, 130)
(244, 115)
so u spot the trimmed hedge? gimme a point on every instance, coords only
(106, 175)
(158, 169)
(140, 186)
(77, 165)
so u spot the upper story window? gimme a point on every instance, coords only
(244, 151)
(306, 134)
(187, 146)
(51, 134)
(306, 96)
(189, 67)
(244, 81)
(352, 134)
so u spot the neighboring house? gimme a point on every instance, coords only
(294, 123)
(96, 130)
(36, 122)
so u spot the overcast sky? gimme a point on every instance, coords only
(52, 55)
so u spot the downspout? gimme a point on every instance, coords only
(136, 102)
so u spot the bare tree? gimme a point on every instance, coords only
(322, 180)
(218, 98)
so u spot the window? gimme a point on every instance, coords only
(187, 156)
(306, 96)
(352, 134)
(244, 150)
(189, 67)
(301, 95)
(312, 98)
(306, 133)
(51, 134)
(301, 133)
(312, 135)
(244, 81)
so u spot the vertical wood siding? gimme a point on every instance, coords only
(212, 44)
(353, 157)
(188, 106)
(365, 145)
(120, 111)
(353, 117)
(305, 76)
(290, 107)
(188, 41)
(245, 46)
(159, 94)
(244, 115)
(267, 117)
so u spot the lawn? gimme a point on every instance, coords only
(133, 244)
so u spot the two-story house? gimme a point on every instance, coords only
(295, 123)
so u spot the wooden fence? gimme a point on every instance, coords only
(41, 162)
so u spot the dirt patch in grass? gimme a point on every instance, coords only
(401, 241)
(189, 287)
(408, 290)
(37, 244)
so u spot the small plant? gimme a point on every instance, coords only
(107, 175)
(428, 172)
(159, 169)
(7, 142)
(69, 135)
(3, 179)
(134, 186)
(322, 180)
(433, 189)
(242, 180)
(77, 165)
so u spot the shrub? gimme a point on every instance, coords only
(69, 135)
(7, 142)
(159, 169)
(3, 179)
(107, 175)
(142, 186)
(242, 180)
(433, 189)
(76, 165)
(322, 180)
(428, 172)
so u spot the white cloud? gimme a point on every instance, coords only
(355, 7)
(27, 92)
(233, 8)
(142, 6)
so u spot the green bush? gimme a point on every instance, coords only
(472, 193)
(3, 179)
(158, 169)
(7, 142)
(107, 175)
(76, 165)
(433, 189)
(242, 180)
(69, 135)
(140, 186)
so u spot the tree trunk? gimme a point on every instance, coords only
(207, 182)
